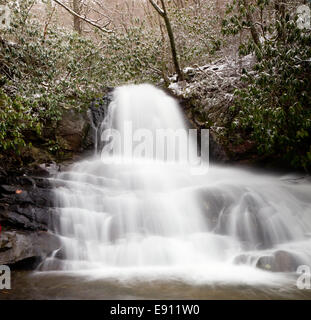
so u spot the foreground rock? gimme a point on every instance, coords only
(17, 245)
(27, 209)
(26, 213)
(278, 261)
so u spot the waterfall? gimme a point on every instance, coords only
(121, 212)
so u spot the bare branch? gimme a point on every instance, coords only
(103, 29)
(159, 10)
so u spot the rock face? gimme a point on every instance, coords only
(99, 107)
(76, 131)
(26, 213)
(97, 112)
(207, 97)
(217, 150)
(27, 209)
(19, 245)
(73, 131)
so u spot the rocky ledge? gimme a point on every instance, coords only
(26, 215)
(26, 247)
(27, 212)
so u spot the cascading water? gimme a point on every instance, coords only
(133, 215)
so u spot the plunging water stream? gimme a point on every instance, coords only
(145, 217)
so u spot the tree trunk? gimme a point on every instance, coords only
(280, 7)
(250, 21)
(75, 14)
(163, 13)
(77, 25)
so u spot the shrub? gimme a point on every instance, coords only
(275, 105)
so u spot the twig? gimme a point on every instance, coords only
(103, 29)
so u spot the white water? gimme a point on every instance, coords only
(154, 219)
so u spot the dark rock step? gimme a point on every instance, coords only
(26, 216)
(26, 193)
(26, 213)
(36, 196)
(27, 264)
(20, 245)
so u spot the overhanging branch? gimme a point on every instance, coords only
(159, 10)
(103, 29)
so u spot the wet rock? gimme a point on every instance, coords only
(7, 189)
(266, 263)
(13, 219)
(26, 212)
(72, 130)
(214, 204)
(60, 254)
(97, 113)
(20, 245)
(26, 194)
(27, 264)
(279, 261)
(41, 197)
(252, 222)
(37, 196)
(43, 170)
(99, 107)
(217, 149)
(26, 216)
(43, 183)
(50, 169)
(76, 130)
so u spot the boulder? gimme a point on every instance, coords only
(73, 130)
(16, 246)
(27, 217)
(279, 261)
(35, 196)
(26, 213)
